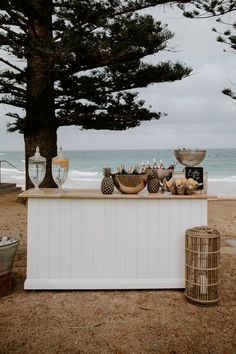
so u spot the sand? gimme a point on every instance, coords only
(121, 322)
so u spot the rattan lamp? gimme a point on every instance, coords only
(202, 265)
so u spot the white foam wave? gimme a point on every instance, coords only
(18, 177)
(77, 174)
(11, 170)
(2, 153)
(228, 179)
(23, 161)
(84, 179)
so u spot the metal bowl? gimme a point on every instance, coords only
(190, 158)
(130, 184)
(164, 173)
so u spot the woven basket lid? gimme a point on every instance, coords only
(203, 231)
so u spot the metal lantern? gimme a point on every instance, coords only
(60, 168)
(202, 265)
(37, 168)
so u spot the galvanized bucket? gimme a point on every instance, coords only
(8, 247)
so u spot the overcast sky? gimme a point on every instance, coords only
(199, 115)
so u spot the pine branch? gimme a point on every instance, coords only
(8, 87)
(136, 5)
(141, 5)
(14, 19)
(12, 102)
(11, 65)
(118, 112)
(18, 17)
(229, 93)
(9, 39)
(116, 121)
(207, 9)
(9, 31)
(128, 40)
(17, 78)
(121, 78)
(13, 115)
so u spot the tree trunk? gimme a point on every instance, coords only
(40, 123)
(47, 142)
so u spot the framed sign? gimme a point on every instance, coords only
(196, 173)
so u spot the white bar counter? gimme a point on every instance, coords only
(82, 239)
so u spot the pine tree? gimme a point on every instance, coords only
(80, 63)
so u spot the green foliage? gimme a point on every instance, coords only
(229, 93)
(94, 52)
(207, 8)
(107, 171)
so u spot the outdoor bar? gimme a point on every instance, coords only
(83, 239)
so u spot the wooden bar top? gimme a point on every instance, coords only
(97, 194)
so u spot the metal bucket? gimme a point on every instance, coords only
(8, 247)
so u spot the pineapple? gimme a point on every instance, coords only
(107, 185)
(153, 183)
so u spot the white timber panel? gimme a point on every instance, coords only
(131, 241)
(110, 235)
(88, 234)
(54, 239)
(109, 244)
(141, 239)
(120, 239)
(152, 239)
(164, 234)
(32, 241)
(66, 225)
(176, 241)
(77, 216)
(43, 238)
(98, 239)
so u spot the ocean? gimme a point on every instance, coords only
(86, 166)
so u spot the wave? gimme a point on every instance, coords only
(95, 176)
(228, 179)
(84, 179)
(77, 174)
(18, 177)
(11, 170)
(2, 153)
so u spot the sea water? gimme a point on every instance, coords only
(86, 166)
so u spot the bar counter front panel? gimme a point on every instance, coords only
(85, 240)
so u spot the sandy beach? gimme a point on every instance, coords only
(120, 322)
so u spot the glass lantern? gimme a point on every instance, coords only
(37, 168)
(60, 168)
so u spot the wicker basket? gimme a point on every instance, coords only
(202, 265)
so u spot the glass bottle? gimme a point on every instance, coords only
(161, 166)
(143, 169)
(172, 165)
(60, 168)
(154, 166)
(37, 168)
